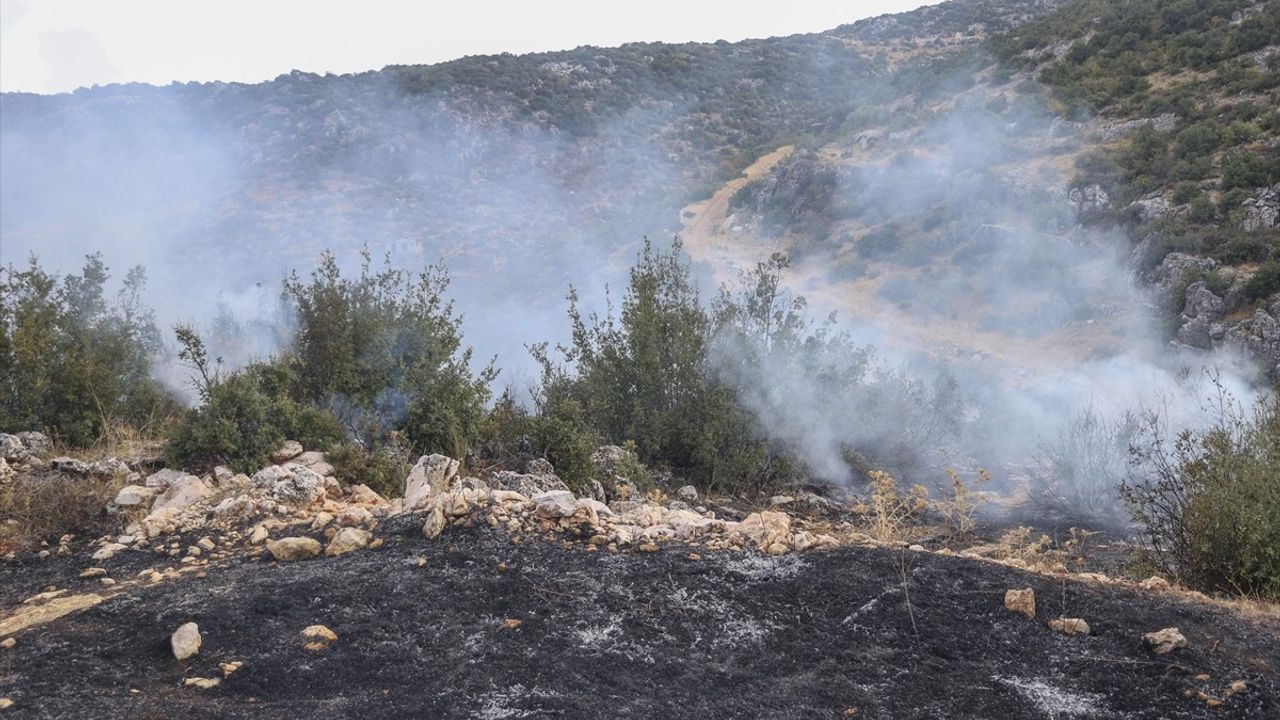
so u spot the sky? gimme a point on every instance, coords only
(50, 46)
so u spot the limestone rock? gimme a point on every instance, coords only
(12, 448)
(764, 529)
(347, 540)
(318, 637)
(1164, 641)
(134, 495)
(526, 484)
(288, 549)
(432, 475)
(363, 495)
(1021, 601)
(555, 504)
(1069, 626)
(163, 478)
(290, 450)
(292, 484)
(181, 493)
(435, 523)
(1154, 583)
(186, 641)
(688, 493)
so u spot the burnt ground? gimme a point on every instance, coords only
(730, 635)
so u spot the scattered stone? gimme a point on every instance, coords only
(355, 516)
(108, 551)
(688, 493)
(202, 682)
(288, 549)
(228, 668)
(435, 523)
(1021, 601)
(1154, 583)
(1069, 626)
(291, 484)
(321, 520)
(258, 536)
(186, 641)
(1164, 641)
(347, 540)
(206, 543)
(527, 485)
(290, 450)
(181, 493)
(93, 572)
(512, 623)
(5, 703)
(318, 637)
(764, 528)
(8, 643)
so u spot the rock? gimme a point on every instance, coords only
(318, 637)
(1021, 601)
(202, 682)
(527, 484)
(206, 543)
(229, 668)
(108, 551)
(93, 572)
(1088, 199)
(290, 450)
(288, 549)
(432, 475)
(355, 516)
(134, 495)
(108, 467)
(8, 643)
(555, 504)
(347, 540)
(1069, 626)
(181, 493)
(258, 536)
(1164, 641)
(363, 495)
(163, 478)
(70, 466)
(435, 524)
(1202, 302)
(316, 461)
(11, 447)
(1262, 211)
(688, 493)
(781, 501)
(36, 443)
(1154, 583)
(321, 520)
(1195, 333)
(223, 475)
(6, 472)
(291, 484)
(764, 529)
(186, 641)
(5, 703)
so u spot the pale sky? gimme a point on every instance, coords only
(58, 45)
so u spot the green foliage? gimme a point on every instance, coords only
(1265, 282)
(1209, 503)
(243, 415)
(383, 468)
(71, 361)
(383, 351)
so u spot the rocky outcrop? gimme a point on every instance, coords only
(430, 476)
(1262, 210)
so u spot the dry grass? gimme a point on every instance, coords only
(43, 507)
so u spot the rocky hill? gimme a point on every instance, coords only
(522, 171)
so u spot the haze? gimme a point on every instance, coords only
(60, 45)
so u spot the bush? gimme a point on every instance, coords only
(1265, 282)
(383, 469)
(43, 507)
(243, 416)
(71, 362)
(1209, 503)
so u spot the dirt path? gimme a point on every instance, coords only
(827, 634)
(703, 238)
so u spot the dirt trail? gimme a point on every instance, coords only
(703, 238)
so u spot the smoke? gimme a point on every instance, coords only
(942, 233)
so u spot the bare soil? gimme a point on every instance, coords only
(848, 632)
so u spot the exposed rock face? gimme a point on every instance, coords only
(1262, 211)
(36, 443)
(432, 475)
(290, 450)
(555, 504)
(1088, 199)
(11, 447)
(1173, 271)
(134, 495)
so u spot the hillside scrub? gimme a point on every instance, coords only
(1208, 501)
(73, 362)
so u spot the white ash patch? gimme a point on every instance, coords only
(1056, 702)
(497, 704)
(766, 567)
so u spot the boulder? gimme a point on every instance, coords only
(764, 529)
(186, 641)
(290, 450)
(11, 447)
(355, 516)
(109, 467)
(292, 484)
(70, 466)
(527, 484)
(36, 443)
(688, 493)
(1021, 601)
(318, 637)
(435, 523)
(555, 504)
(363, 495)
(1164, 641)
(181, 493)
(317, 461)
(288, 549)
(164, 477)
(347, 540)
(134, 495)
(430, 476)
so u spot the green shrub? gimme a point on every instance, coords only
(242, 416)
(1208, 501)
(383, 469)
(72, 362)
(1265, 282)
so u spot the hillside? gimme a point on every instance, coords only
(520, 171)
